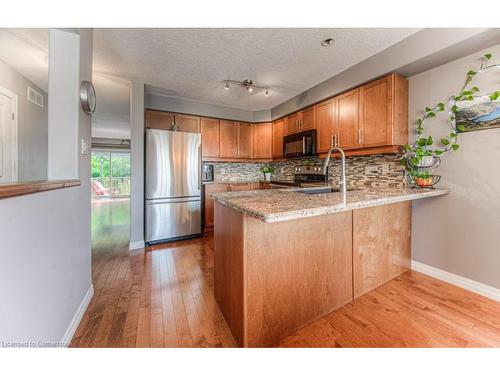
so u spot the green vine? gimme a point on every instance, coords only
(426, 146)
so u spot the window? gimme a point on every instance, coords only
(110, 174)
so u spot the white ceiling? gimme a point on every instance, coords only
(193, 63)
(111, 118)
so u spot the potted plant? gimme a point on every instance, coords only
(267, 170)
(424, 155)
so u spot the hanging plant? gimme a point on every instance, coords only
(425, 152)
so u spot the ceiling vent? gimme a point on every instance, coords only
(35, 97)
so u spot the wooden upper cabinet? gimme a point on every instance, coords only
(228, 139)
(245, 140)
(187, 123)
(210, 137)
(347, 120)
(159, 119)
(278, 133)
(325, 124)
(375, 112)
(292, 123)
(306, 119)
(262, 141)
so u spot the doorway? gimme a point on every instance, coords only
(110, 186)
(8, 136)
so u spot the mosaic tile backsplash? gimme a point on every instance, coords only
(355, 170)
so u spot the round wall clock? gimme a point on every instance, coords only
(87, 97)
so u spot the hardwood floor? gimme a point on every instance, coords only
(163, 297)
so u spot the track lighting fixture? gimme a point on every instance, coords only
(247, 84)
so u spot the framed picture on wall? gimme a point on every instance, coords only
(478, 115)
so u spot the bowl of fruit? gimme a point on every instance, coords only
(425, 179)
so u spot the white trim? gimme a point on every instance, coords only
(462, 282)
(136, 245)
(73, 325)
(15, 152)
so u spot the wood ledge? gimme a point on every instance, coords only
(16, 189)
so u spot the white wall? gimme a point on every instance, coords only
(64, 61)
(32, 125)
(167, 103)
(460, 233)
(137, 166)
(45, 254)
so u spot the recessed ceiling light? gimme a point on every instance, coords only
(327, 42)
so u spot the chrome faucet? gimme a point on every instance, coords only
(343, 182)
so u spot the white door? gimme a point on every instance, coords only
(8, 136)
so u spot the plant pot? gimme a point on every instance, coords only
(267, 176)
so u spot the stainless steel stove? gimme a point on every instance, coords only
(304, 176)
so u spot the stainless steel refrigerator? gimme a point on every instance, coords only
(173, 185)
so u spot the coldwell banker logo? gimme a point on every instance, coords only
(32, 344)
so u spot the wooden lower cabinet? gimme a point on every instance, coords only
(271, 279)
(219, 188)
(209, 201)
(381, 245)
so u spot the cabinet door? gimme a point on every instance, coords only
(306, 120)
(347, 120)
(262, 141)
(210, 137)
(292, 124)
(240, 187)
(187, 123)
(159, 119)
(375, 104)
(209, 201)
(278, 133)
(245, 140)
(381, 245)
(228, 139)
(325, 124)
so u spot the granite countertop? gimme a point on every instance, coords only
(287, 204)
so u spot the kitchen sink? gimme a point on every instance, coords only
(323, 190)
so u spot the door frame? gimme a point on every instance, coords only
(14, 124)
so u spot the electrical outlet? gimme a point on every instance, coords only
(223, 171)
(371, 170)
(385, 168)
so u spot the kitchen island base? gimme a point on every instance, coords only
(271, 279)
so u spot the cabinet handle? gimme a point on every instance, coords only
(360, 136)
(331, 140)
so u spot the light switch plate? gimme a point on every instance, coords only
(371, 170)
(85, 149)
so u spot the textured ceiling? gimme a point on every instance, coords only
(193, 63)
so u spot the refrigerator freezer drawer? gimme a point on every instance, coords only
(172, 218)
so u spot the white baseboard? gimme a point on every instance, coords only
(462, 282)
(136, 245)
(73, 325)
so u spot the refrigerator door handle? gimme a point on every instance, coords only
(199, 167)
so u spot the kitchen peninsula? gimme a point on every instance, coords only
(284, 258)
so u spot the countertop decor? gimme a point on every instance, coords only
(422, 157)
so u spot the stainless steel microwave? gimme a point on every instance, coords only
(300, 145)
